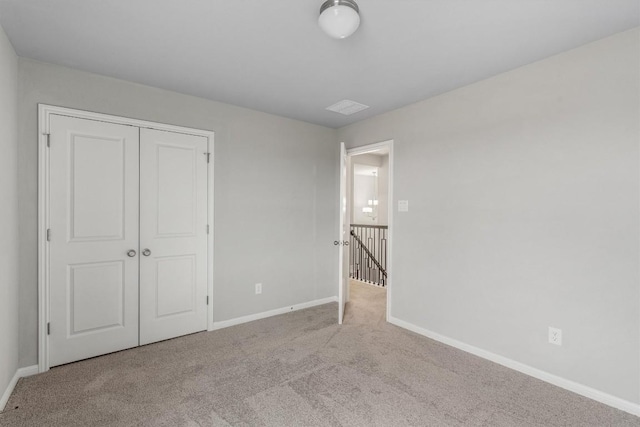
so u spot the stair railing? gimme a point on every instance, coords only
(368, 257)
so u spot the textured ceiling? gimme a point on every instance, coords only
(272, 56)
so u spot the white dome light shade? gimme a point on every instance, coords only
(339, 18)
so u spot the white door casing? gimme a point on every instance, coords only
(94, 222)
(173, 235)
(344, 219)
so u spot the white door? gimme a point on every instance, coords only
(93, 217)
(173, 234)
(343, 257)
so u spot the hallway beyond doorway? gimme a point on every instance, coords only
(367, 304)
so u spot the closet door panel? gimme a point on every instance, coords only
(94, 217)
(173, 241)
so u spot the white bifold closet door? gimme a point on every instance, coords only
(128, 247)
(93, 218)
(173, 235)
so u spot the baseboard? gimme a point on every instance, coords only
(20, 373)
(586, 391)
(250, 318)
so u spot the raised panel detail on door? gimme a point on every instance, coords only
(96, 296)
(96, 187)
(176, 186)
(94, 218)
(175, 285)
(173, 228)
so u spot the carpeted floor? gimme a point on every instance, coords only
(300, 369)
(367, 305)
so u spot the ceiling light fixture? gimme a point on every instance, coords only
(339, 18)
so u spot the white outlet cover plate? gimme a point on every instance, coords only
(403, 206)
(258, 288)
(555, 336)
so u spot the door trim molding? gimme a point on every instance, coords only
(44, 119)
(363, 149)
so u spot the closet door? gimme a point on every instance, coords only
(173, 235)
(93, 246)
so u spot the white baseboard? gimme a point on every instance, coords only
(586, 391)
(250, 318)
(20, 373)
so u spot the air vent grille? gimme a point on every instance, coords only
(347, 107)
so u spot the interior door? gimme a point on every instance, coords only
(93, 219)
(173, 234)
(343, 257)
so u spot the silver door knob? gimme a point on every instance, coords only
(131, 253)
(146, 252)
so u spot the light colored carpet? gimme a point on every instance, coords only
(300, 369)
(367, 305)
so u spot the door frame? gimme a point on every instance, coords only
(44, 120)
(363, 149)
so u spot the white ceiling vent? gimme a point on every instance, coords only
(347, 107)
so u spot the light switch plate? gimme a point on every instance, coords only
(403, 206)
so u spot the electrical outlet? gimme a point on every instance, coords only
(258, 288)
(555, 336)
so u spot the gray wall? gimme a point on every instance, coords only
(524, 213)
(8, 212)
(275, 191)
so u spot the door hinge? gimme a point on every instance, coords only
(207, 299)
(48, 135)
(48, 328)
(207, 228)
(48, 234)
(208, 155)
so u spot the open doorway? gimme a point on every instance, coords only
(366, 222)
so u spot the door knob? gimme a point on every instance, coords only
(131, 253)
(146, 252)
